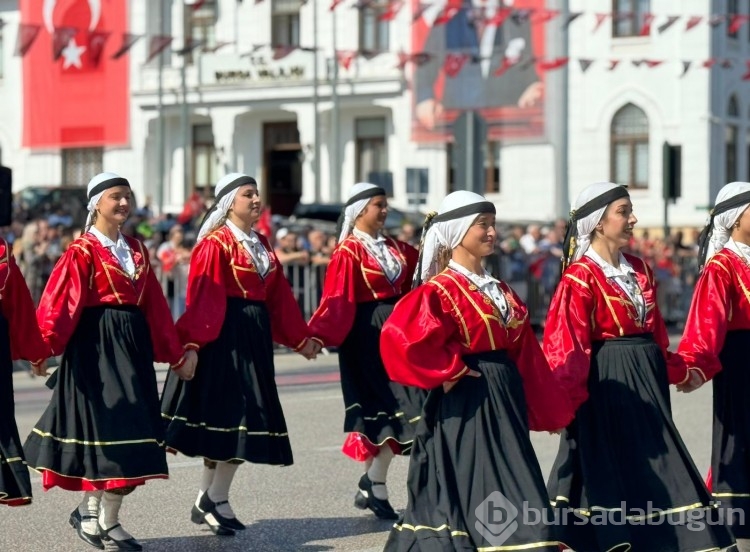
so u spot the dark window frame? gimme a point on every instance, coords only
(628, 17)
(370, 15)
(632, 142)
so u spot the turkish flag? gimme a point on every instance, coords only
(79, 99)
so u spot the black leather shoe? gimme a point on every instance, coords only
(125, 544)
(222, 526)
(75, 521)
(381, 508)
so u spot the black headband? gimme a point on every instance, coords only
(461, 212)
(229, 188)
(368, 193)
(234, 184)
(582, 212)
(107, 184)
(705, 236)
(457, 213)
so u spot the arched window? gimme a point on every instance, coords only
(629, 147)
(730, 140)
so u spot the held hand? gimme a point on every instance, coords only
(448, 385)
(556, 431)
(187, 370)
(39, 369)
(693, 383)
(310, 350)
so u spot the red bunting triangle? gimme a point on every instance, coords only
(552, 64)
(128, 39)
(345, 57)
(96, 42)
(693, 21)
(391, 11)
(600, 18)
(27, 34)
(60, 39)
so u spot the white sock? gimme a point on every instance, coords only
(89, 506)
(219, 489)
(109, 516)
(378, 472)
(207, 478)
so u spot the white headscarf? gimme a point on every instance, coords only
(448, 233)
(723, 222)
(220, 209)
(94, 200)
(351, 212)
(586, 225)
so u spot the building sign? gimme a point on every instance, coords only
(231, 69)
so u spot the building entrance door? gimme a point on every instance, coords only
(282, 167)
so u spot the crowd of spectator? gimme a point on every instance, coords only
(527, 256)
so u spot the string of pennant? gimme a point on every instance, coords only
(452, 62)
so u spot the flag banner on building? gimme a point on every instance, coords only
(81, 98)
(480, 60)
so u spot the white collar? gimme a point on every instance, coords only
(483, 278)
(364, 236)
(610, 271)
(106, 241)
(240, 234)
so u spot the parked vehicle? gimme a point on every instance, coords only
(329, 213)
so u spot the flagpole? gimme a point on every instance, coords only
(160, 127)
(185, 131)
(316, 115)
(335, 184)
(563, 193)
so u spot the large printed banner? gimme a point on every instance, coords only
(74, 93)
(478, 55)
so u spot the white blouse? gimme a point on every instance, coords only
(488, 285)
(378, 248)
(624, 276)
(252, 245)
(120, 249)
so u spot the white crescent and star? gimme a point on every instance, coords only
(72, 52)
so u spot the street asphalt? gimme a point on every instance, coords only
(304, 507)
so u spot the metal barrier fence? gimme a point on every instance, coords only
(534, 284)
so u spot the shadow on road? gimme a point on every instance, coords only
(278, 535)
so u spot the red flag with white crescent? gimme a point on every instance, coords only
(81, 98)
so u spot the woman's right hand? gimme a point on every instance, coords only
(448, 385)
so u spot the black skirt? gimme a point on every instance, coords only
(231, 410)
(473, 474)
(623, 454)
(376, 408)
(730, 456)
(102, 428)
(15, 488)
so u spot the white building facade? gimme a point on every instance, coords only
(239, 109)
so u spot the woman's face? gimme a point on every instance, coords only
(374, 215)
(741, 231)
(616, 225)
(479, 240)
(246, 204)
(114, 205)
